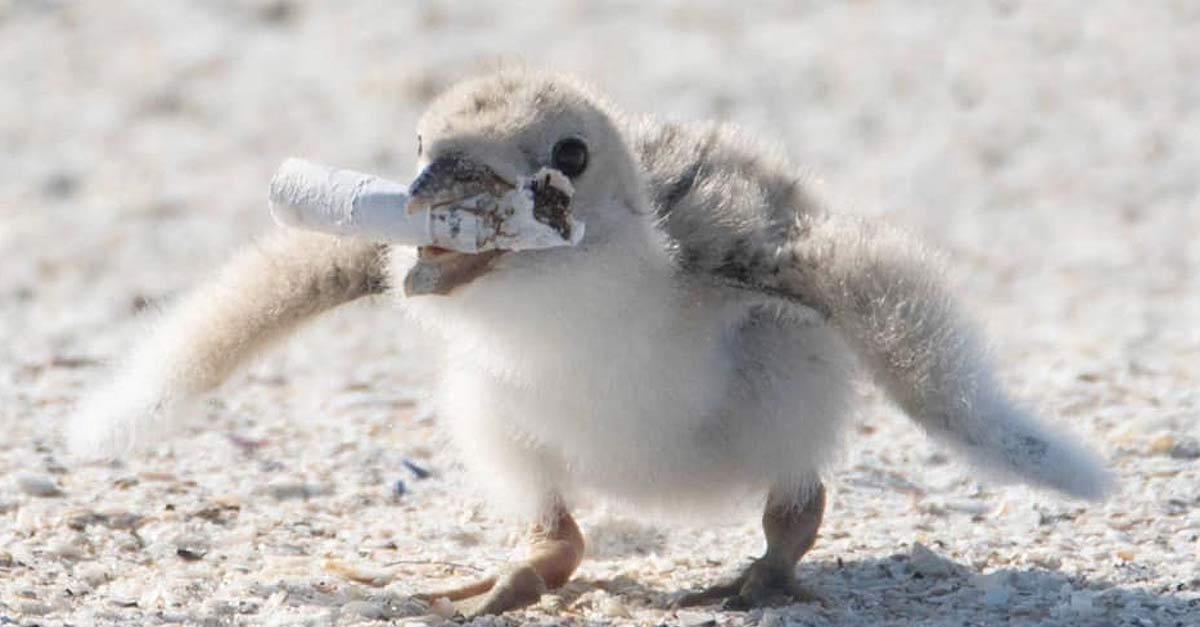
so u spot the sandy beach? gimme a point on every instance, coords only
(1050, 150)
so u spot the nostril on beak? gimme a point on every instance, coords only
(435, 175)
(454, 175)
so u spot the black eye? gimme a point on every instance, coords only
(420, 147)
(570, 156)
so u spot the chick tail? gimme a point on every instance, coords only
(192, 347)
(884, 292)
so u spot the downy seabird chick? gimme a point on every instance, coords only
(697, 344)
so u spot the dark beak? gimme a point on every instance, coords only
(449, 179)
(454, 177)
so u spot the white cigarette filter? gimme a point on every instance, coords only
(310, 196)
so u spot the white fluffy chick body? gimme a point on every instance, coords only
(603, 370)
(697, 344)
(695, 348)
(701, 339)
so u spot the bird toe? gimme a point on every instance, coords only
(759, 585)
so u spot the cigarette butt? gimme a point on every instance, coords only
(344, 202)
(310, 196)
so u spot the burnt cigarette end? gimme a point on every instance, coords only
(551, 205)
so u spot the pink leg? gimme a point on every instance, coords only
(791, 531)
(555, 550)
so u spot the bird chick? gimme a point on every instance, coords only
(699, 342)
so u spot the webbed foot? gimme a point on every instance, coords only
(555, 552)
(761, 584)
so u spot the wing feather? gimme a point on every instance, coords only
(740, 215)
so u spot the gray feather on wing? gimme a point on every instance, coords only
(728, 207)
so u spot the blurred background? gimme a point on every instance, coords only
(1051, 149)
(144, 132)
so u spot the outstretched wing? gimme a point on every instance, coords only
(724, 201)
(258, 297)
(743, 217)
